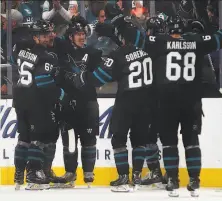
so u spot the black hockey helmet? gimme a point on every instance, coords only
(155, 25)
(175, 25)
(197, 27)
(41, 27)
(74, 28)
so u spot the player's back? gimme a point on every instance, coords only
(178, 69)
(133, 73)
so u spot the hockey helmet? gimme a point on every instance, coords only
(156, 25)
(175, 25)
(41, 27)
(74, 28)
(197, 27)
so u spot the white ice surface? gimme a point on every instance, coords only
(102, 194)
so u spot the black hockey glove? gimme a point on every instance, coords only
(63, 101)
(77, 80)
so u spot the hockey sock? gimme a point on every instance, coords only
(121, 160)
(88, 156)
(70, 159)
(138, 155)
(193, 160)
(35, 156)
(49, 151)
(21, 152)
(171, 161)
(152, 157)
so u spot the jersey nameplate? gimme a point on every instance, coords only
(28, 56)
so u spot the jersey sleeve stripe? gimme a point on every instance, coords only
(137, 38)
(99, 78)
(42, 76)
(218, 41)
(42, 80)
(45, 83)
(104, 73)
(62, 94)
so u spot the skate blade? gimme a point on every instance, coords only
(173, 193)
(194, 193)
(17, 187)
(136, 187)
(33, 186)
(62, 185)
(121, 188)
(89, 184)
(159, 186)
(156, 186)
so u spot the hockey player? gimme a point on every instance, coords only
(84, 116)
(132, 69)
(178, 78)
(34, 98)
(155, 26)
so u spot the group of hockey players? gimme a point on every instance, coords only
(159, 76)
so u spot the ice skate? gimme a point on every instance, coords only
(88, 178)
(36, 180)
(172, 187)
(18, 178)
(193, 187)
(153, 178)
(66, 181)
(136, 180)
(121, 184)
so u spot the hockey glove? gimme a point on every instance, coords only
(63, 100)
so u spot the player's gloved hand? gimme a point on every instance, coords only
(75, 79)
(63, 100)
(79, 19)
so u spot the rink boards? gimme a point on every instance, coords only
(211, 143)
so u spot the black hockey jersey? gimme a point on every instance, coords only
(178, 62)
(36, 81)
(80, 60)
(130, 66)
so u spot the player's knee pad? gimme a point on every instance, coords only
(118, 141)
(24, 137)
(168, 140)
(190, 139)
(121, 160)
(88, 156)
(36, 155)
(193, 160)
(20, 157)
(171, 160)
(70, 159)
(152, 156)
(136, 141)
(138, 156)
(87, 139)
